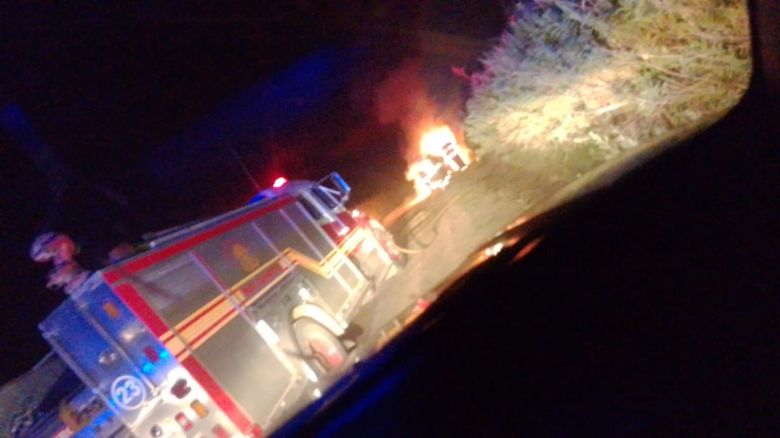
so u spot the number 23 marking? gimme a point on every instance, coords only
(128, 392)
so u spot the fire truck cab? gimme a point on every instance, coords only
(227, 327)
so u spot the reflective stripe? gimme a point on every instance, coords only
(221, 398)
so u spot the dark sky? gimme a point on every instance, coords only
(118, 119)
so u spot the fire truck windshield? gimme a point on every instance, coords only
(313, 211)
(324, 197)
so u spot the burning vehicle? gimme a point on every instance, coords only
(440, 155)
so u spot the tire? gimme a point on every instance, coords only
(321, 347)
(387, 242)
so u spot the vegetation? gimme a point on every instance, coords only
(573, 84)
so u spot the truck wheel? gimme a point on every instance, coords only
(388, 244)
(320, 345)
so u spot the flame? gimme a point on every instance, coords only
(433, 140)
(415, 173)
(439, 155)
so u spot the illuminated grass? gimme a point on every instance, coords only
(573, 84)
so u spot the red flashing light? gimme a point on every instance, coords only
(278, 182)
(180, 389)
(151, 354)
(220, 432)
(183, 421)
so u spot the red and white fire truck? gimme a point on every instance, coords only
(228, 326)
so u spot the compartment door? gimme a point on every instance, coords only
(90, 355)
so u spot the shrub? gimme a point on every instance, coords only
(606, 75)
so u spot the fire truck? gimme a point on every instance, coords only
(228, 326)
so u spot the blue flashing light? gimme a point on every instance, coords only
(102, 420)
(164, 354)
(257, 198)
(147, 368)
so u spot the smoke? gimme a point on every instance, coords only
(403, 98)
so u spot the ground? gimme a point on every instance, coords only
(443, 231)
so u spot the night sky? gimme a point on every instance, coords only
(118, 119)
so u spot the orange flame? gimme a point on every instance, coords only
(439, 155)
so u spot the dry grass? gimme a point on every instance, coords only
(573, 84)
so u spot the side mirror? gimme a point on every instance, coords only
(336, 186)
